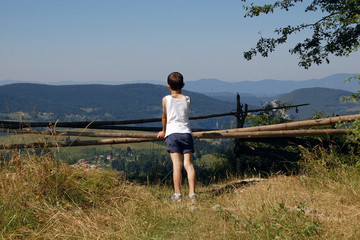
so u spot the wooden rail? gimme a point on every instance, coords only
(273, 127)
(275, 130)
(243, 135)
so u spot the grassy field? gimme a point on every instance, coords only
(41, 198)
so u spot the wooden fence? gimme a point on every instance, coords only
(291, 129)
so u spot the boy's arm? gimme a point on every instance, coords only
(161, 134)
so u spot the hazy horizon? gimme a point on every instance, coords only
(163, 81)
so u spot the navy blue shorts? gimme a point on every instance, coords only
(180, 143)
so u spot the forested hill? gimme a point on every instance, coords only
(324, 100)
(98, 102)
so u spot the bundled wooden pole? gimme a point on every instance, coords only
(77, 143)
(272, 134)
(210, 135)
(276, 130)
(204, 134)
(83, 133)
(289, 126)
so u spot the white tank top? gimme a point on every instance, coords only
(177, 111)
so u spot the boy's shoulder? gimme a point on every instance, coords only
(169, 98)
(178, 96)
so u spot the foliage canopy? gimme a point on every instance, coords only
(336, 32)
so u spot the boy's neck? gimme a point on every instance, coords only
(175, 92)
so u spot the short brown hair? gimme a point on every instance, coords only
(175, 80)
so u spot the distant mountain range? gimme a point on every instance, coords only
(259, 93)
(267, 87)
(94, 102)
(270, 87)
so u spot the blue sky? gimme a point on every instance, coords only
(123, 41)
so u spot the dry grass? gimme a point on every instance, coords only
(330, 212)
(42, 199)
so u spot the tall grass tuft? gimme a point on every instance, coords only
(39, 194)
(329, 167)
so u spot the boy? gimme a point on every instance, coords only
(178, 135)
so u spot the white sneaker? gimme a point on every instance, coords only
(176, 197)
(192, 196)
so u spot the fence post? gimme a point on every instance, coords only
(238, 111)
(240, 120)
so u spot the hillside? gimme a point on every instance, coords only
(320, 99)
(136, 101)
(253, 101)
(97, 102)
(42, 199)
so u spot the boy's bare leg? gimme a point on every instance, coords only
(177, 167)
(190, 170)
